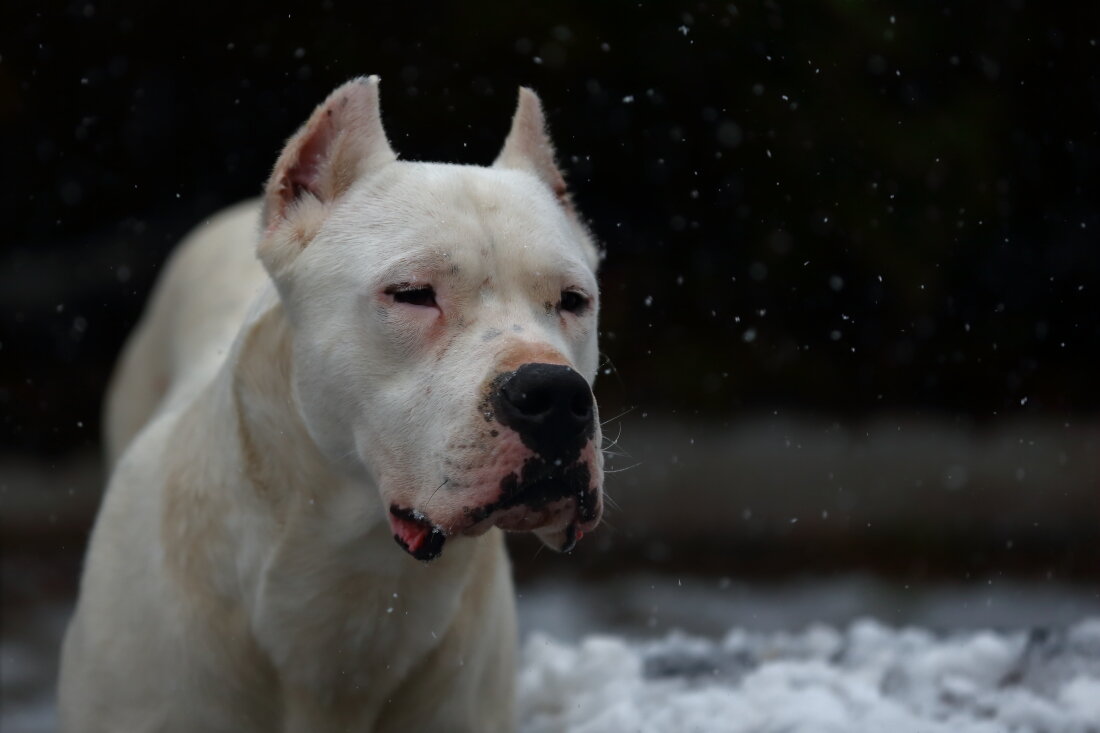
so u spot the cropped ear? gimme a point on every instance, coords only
(528, 146)
(342, 141)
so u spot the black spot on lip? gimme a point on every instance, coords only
(541, 483)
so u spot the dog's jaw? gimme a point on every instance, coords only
(415, 533)
(562, 540)
(558, 504)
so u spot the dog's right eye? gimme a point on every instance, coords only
(422, 296)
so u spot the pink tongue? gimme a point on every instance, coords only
(412, 533)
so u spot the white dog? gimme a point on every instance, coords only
(411, 362)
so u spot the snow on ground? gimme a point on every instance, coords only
(652, 653)
(866, 677)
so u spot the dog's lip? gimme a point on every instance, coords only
(551, 519)
(519, 518)
(561, 540)
(559, 524)
(564, 538)
(415, 533)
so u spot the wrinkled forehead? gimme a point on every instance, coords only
(463, 217)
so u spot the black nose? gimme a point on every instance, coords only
(549, 405)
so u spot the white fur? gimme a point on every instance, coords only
(242, 573)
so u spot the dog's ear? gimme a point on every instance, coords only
(528, 146)
(342, 141)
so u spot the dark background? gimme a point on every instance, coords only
(823, 221)
(843, 208)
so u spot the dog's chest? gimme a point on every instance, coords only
(339, 610)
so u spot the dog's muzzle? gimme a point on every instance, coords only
(555, 493)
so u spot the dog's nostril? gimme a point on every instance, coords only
(581, 406)
(533, 401)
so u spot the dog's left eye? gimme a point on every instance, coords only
(423, 296)
(572, 302)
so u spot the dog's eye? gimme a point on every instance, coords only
(423, 296)
(572, 302)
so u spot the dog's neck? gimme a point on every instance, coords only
(279, 458)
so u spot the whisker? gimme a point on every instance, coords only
(613, 442)
(627, 411)
(619, 434)
(437, 488)
(620, 470)
(614, 369)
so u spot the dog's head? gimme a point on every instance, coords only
(444, 325)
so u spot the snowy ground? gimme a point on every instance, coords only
(865, 677)
(655, 653)
(804, 657)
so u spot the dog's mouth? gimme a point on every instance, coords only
(416, 534)
(558, 499)
(557, 502)
(559, 525)
(558, 512)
